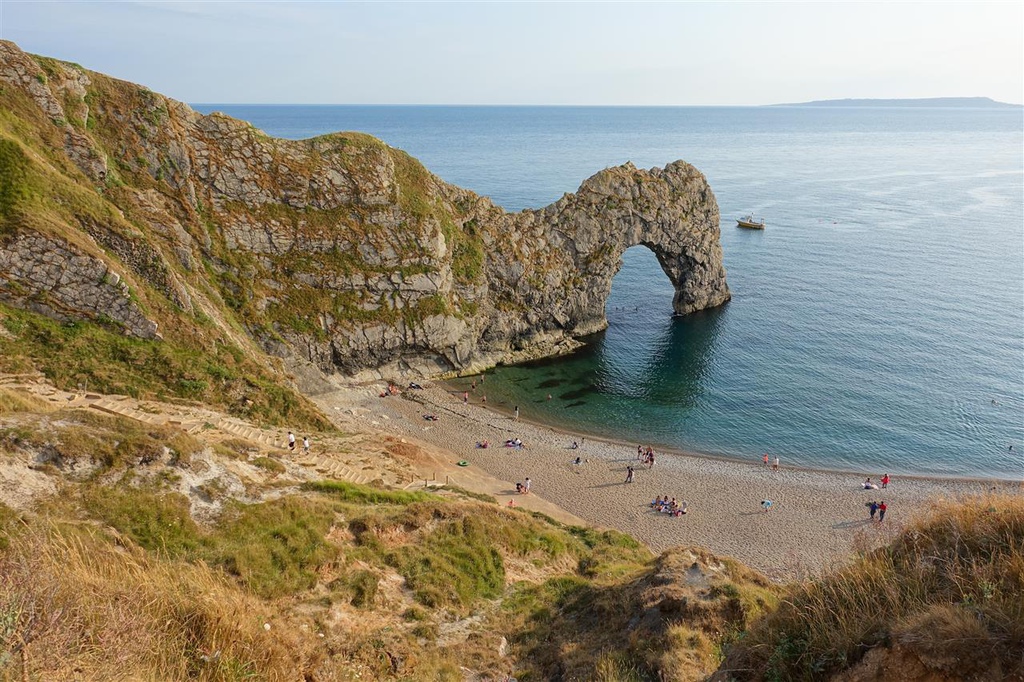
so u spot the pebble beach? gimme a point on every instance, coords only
(818, 519)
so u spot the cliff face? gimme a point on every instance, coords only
(338, 249)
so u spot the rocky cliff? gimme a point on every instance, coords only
(120, 205)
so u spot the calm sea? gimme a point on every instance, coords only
(876, 325)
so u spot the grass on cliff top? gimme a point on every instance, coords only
(947, 589)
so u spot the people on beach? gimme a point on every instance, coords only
(291, 441)
(872, 508)
(465, 397)
(881, 511)
(885, 481)
(766, 505)
(868, 485)
(765, 458)
(775, 464)
(629, 474)
(483, 444)
(512, 502)
(514, 443)
(517, 413)
(526, 485)
(430, 417)
(577, 461)
(575, 445)
(305, 444)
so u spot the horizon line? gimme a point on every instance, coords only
(838, 102)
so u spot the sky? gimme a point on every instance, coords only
(562, 53)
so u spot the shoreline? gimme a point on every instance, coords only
(446, 385)
(817, 521)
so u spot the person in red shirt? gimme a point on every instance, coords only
(885, 480)
(881, 511)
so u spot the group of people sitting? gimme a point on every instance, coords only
(645, 455)
(668, 506)
(514, 443)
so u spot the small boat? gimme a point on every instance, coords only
(750, 222)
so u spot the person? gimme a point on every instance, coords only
(549, 396)
(575, 445)
(578, 461)
(766, 505)
(465, 397)
(868, 485)
(512, 502)
(873, 508)
(885, 481)
(483, 444)
(526, 486)
(681, 509)
(519, 488)
(765, 458)
(291, 441)
(629, 474)
(775, 464)
(305, 444)
(656, 502)
(881, 511)
(517, 413)
(483, 399)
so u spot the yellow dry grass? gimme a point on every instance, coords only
(73, 605)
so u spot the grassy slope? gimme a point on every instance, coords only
(352, 579)
(947, 591)
(41, 191)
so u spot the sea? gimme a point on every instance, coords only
(876, 324)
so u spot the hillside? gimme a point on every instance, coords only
(954, 102)
(133, 212)
(144, 540)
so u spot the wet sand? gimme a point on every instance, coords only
(817, 520)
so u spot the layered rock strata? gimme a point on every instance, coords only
(340, 249)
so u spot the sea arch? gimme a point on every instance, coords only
(671, 211)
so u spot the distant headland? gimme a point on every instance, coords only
(960, 102)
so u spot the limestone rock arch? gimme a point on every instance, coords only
(571, 250)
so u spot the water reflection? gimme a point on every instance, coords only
(626, 376)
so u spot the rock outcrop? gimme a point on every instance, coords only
(340, 249)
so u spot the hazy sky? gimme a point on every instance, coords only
(681, 53)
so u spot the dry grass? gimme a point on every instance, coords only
(75, 606)
(947, 589)
(18, 401)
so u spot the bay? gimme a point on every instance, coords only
(877, 324)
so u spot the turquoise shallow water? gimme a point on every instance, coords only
(876, 325)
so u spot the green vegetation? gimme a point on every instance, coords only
(13, 178)
(89, 355)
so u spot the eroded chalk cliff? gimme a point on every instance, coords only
(338, 249)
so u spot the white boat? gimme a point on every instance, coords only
(749, 222)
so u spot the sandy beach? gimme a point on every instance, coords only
(817, 519)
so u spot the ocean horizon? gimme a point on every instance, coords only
(876, 325)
